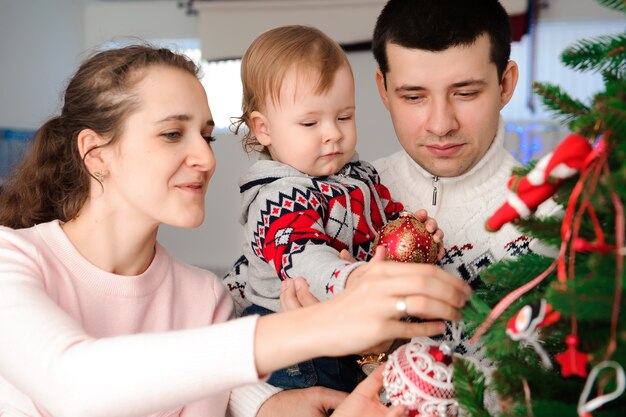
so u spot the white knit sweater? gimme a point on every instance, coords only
(463, 205)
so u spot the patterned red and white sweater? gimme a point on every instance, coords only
(296, 225)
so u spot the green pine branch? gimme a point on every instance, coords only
(602, 53)
(558, 101)
(619, 5)
(469, 388)
(587, 301)
(546, 229)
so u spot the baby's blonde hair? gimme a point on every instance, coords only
(268, 60)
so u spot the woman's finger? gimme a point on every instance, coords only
(398, 279)
(406, 330)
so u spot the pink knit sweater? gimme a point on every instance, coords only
(79, 341)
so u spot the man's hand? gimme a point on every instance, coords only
(364, 400)
(305, 402)
(319, 401)
(433, 228)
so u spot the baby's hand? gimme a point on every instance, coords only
(433, 228)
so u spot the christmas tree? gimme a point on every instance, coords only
(555, 326)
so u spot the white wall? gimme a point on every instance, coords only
(104, 21)
(40, 44)
(42, 41)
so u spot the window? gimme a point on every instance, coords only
(220, 79)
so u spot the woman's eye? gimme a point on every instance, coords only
(209, 138)
(171, 135)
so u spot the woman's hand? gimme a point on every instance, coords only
(363, 316)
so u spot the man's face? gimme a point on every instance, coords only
(445, 106)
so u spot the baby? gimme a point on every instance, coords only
(309, 196)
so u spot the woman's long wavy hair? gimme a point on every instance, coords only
(52, 181)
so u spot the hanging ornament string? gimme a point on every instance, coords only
(574, 362)
(507, 301)
(585, 407)
(570, 230)
(619, 270)
(568, 225)
(566, 230)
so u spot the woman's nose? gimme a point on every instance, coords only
(201, 155)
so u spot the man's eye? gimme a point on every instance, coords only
(412, 99)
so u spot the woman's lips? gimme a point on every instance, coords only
(195, 187)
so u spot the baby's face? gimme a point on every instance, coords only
(313, 133)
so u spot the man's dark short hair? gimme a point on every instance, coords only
(436, 25)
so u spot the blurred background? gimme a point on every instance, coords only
(43, 41)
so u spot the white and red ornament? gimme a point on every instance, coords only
(528, 192)
(530, 318)
(407, 240)
(524, 326)
(418, 375)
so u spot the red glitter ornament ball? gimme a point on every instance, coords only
(407, 240)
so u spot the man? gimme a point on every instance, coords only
(444, 75)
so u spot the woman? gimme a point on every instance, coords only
(97, 319)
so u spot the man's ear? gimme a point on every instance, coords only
(382, 89)
(89, 143)
(260, 127)
(508, 83)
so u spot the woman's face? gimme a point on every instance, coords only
(160, 167)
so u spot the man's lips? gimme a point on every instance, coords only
(444, 149)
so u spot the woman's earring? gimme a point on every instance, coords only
(99, 176)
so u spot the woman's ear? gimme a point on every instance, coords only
(89, 147)
(260, 127)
